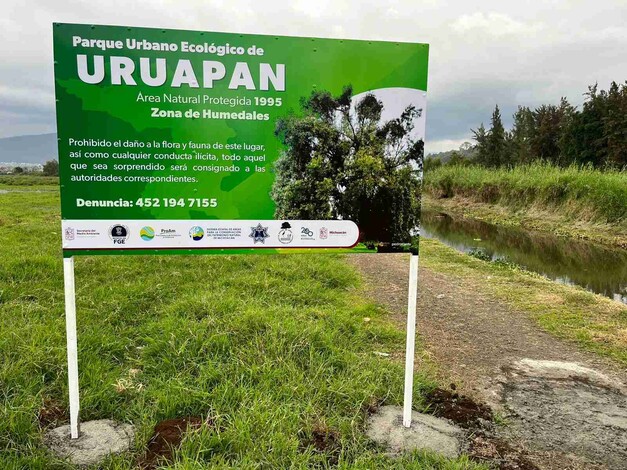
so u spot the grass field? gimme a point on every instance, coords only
(572, 201)
(273, 350)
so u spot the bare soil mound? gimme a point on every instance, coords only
(167, 437)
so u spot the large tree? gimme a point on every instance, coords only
(615, 126)
(495, 143)
(598, 134)
(492, 144)
(342, 162)
(521, 136)
(481, 151)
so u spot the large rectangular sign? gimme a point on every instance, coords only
(181, 140)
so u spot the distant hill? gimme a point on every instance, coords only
(29, 148)
(466, 150)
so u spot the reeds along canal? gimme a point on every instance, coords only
(575, 262)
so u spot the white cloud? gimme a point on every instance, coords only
(26, 97)
(494, 24)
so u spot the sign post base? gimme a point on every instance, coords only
(98, 440)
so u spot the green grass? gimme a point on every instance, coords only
(28, 180)
(592, 321)
(269, 347)
(581, 194)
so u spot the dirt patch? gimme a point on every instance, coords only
(565, 407)
(460, 409)
(323, 440)
(474, 340)
(373, 404)
(167, 437)
(477, 419)
(498, 452)
(51, 414)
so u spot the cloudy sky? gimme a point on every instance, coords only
(481, 52)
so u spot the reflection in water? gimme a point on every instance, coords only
(599, 269)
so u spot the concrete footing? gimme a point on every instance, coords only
(97, 440)
(426, 433)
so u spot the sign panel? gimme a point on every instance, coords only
(189, 140)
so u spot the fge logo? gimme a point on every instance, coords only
(119, 234)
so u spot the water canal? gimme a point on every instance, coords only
(594, 267)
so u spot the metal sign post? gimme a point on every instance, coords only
(411, 338)
(72, 348)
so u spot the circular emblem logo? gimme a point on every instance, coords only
(119, 234)
(196, 233)
(285, 234)
(147, 233)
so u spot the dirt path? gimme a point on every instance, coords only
(567, 415)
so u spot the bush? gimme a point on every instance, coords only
(51, 168)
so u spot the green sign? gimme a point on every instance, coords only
(187, 140)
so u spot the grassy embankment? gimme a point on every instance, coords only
(574, 202)
(274, 350)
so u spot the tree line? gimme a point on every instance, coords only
(50, 168)
(560, 134)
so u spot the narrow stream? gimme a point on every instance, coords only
(575, 262)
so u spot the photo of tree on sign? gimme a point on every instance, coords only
(345, 160)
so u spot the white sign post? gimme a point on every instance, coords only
(411, 338)
(72, 348)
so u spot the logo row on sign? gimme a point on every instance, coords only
(100, 234)
(120, 233)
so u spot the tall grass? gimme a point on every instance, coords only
(580, 193)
